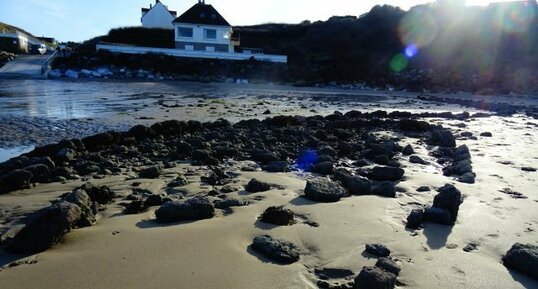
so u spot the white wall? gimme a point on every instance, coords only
(199, 34)
(192, 54)
(158, 17)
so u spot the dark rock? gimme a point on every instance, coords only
(462, 153)
(408, 150)
(87, 207)
(264, 157)
(197, 208)
(449, 198)
(99, 194)
(387, 174)
(443, 138)
(277, 216)
(523, 258)
(256, 186)
(134, 207)
(358, 186)
(417, 160)
(332, 273)
(438, 215)
(470, 247)
(40, 172)
(178, 182)
(276, 167)
(153, 200)
(277, 250)
(381, 159)
(98, 141)
(229, 203)
(388, 265)
(385, 189)
(66, 155)
(323, 168)
(486, 134)
(423, 189)
(378, 250)
(43, 229)
(15, 180)
(414, 220)
(528, 169)
(152, 172)
(204, 157)
(468, 178)
(374, 278)
(323, 190)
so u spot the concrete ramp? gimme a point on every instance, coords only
(26, 66)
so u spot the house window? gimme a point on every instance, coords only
(210, 34)
(184, 32)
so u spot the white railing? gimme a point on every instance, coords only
(128, 49)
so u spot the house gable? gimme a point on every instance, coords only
(158, 16)
(202, 14)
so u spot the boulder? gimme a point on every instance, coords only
(443, 138)
(280, 251)
(438, 215)
(152, 172)
(374, 278)
(486, 134)
(414, 220)
(87, 207)
(43, 229)
(417, 160)
(378, 250)
(323, 168)
(384, 189)
(323, 190)
(387, 174)
(523, 258)
(449, 198)
(408, 150)
(99, 194)
(229, 203)
(277, 216)
(462, 153)
(388, 265)
(468, 178)
(256, 186)
(358, 186)
(40, 172)
(196, 208)
(15, 180)
(66, 155)
(276, 167)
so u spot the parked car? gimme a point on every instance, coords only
(38, 49)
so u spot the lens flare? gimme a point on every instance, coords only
(411, 50)
(514, 17)
(307, 159)
(418, 27)
(398, 62)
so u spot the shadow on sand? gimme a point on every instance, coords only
(152, 224)
(523, 279)
(8, 258)
(302, 201)
(436, 235)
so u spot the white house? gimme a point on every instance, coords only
(158, 16)
(202, 28)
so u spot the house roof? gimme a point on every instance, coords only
(146, 10)
(204, 14)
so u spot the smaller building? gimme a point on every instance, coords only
(158, 16)
(202, 28)
(17, 42)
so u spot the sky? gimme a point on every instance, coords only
(79, 20)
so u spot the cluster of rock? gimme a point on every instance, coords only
(275, 143)
(43, 229)
(443, 211)
(457, 161)
(6, 57)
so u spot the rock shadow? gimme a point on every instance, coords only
(302, 201)
(152, 223)
(8, 258)
(436, 235)
(525, 280)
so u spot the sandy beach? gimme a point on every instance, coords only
(121, 250)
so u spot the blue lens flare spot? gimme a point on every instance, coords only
(307, 159)
(411, 50)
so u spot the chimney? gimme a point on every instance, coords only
(201, 2)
